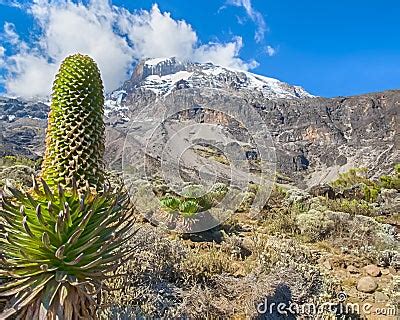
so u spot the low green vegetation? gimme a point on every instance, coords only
(391, 181)
(352, 206)
(368, 189)
(9, 161)
(194, 199)
(351, 178)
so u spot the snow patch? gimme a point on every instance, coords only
(165, 84)
(156, 61)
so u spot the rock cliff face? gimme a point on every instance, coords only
(315, 138)
(320, 137)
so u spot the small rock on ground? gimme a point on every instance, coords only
(327, 264)
(380, 297)
(372, 270)
(367, 285)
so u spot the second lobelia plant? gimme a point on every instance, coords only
(61, 238)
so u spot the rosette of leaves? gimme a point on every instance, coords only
(170, 203)
(186, 208)
(189, 208)
(194, 200)
(196, 194)
(217, 193)
(60, 239)
(57, 248)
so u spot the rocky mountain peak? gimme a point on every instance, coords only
(163, 75)
(156, 67)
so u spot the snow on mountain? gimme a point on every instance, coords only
(162, 85)
(161, 76)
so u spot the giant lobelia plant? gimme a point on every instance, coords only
(61, 238)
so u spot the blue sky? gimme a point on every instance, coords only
(331, 48)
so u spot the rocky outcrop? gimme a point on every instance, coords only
(158, 67)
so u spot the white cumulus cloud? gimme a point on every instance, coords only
(156, 34)
(115, 37)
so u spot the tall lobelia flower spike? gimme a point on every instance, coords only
(75, 133)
